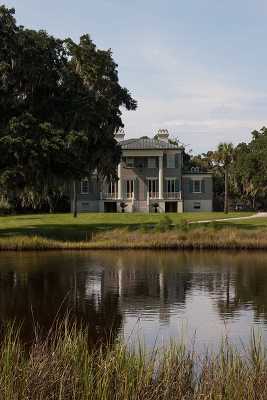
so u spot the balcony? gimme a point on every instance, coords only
(173, 195)
(109, 196)
(166, 195)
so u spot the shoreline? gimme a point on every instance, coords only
(203, 238)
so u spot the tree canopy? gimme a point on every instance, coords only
(60, 105)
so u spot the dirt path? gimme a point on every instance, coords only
(258, 215)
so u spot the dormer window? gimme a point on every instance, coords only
(195, 170)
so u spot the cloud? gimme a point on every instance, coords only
(192, 101)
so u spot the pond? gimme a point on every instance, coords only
(155, 296)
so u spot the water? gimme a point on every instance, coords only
(199, 296)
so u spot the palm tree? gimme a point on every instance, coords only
(224, 156)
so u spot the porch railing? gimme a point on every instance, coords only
(173, 195)
(109, 196)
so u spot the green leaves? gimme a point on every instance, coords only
(60, 105)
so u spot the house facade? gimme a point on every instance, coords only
(151, 178)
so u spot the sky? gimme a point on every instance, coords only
(196, 67)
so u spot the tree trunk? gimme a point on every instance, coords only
(226, 191)
(74, 200)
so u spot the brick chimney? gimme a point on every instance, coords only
(163, 135)
(119, 136)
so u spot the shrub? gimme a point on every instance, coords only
(5, 207)
(164, 224)
(183, 225)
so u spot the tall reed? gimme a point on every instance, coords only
(63, 366)
(183, 237)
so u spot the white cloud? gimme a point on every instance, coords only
(192, 102)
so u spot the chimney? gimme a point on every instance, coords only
(119, 135)
(163, 135)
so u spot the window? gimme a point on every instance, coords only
(129, 188)
(196, 186)
(151, 162)
(84, 186)
(170, 160)
(197, 205)
(112, 188)
(171, 185)
(130, 162)
(153, 187)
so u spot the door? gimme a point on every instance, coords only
(110, 207)
(171, 207)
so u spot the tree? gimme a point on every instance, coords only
(224, 157)
(60, 105)
(249, 169)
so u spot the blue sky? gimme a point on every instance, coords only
(196, 67)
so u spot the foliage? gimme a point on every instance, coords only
(64, 366)
(59, 101)
(123, 205)
(5, 206)
(155, 206)
(250, 169)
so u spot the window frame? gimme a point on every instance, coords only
(149, 160)
(152, 181)
(112, 188)
(171, 161)
(194, 183)
(131, 164)
(171, 181)
(197, 205)
(130, 183)
(83, 181)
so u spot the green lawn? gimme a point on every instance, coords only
(64, 226)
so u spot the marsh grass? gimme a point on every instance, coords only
(184, 237)
(63, 366)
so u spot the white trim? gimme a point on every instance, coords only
(197, 176)
(200, 183)
(142, 153)
(81, 186)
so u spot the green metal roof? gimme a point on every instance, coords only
(145, 144)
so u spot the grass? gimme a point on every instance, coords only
(131, 231)
(63, 367)
(65, 227)
(182, 237)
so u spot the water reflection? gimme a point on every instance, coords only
(156, 294)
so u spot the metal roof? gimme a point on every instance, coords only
(144, 144)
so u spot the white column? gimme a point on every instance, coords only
(119, 182)
(161, 177)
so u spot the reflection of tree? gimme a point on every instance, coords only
(237, 281)
(97, 288)
(38, 298)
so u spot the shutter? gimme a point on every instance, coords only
(136, 188)
(190, 186)
(124, 188)
(203, 186)
(176, 160)
(177, 186)
(165, 161)
(165, 186)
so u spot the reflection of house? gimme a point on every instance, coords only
(145, 290)
(150, 172)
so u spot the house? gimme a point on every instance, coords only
(151, 178)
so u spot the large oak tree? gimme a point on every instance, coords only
(60, 105)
